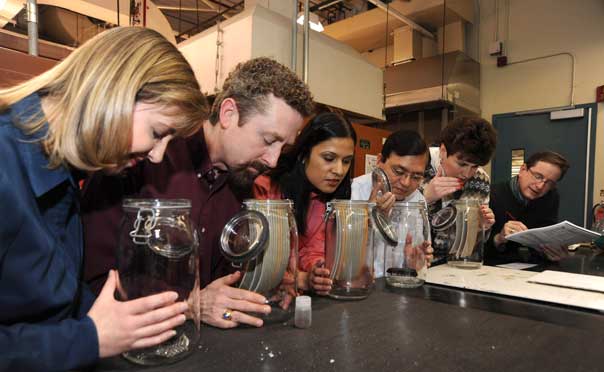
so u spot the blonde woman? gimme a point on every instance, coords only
(116, 100)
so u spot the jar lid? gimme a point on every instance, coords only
(444, 218)
(245, 236)
(380, 181)
(384, 227)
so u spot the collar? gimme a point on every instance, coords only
(41, 178)
(516, 191)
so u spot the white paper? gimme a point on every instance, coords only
(517, 265)
(561, 234)
(570, 280)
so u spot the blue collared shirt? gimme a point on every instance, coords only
(43, 303)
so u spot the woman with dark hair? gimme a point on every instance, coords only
(315, 170)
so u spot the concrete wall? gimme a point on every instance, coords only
(537, 28)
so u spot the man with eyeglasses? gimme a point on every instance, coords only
(404, 158)
(527, 201)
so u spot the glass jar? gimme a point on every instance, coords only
(405, 263)
(158, 252)
(461, 225)
(262, 242)
(349, 251)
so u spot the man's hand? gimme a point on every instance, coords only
(219, 297)
(554, 253)
(382, 201)
(440, 187)
(509, 228)
(139, 323)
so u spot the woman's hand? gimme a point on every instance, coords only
(441, 186)
(318, 278)
(140, 323)
(488, 217)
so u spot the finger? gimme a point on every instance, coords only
(245, 295)
(247, 306)
(230, 279)
(321, 281)
(521, 226)
(446, 191)
(145, 304)
(439, 172)
(159, 328)
(321, 272)
(448, 181)
(109, 286)
(242, 318)
(161, 314)
(152, 341)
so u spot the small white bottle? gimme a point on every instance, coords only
(303, 316)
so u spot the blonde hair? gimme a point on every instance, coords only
(94, 90)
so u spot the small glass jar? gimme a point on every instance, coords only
(349, 248)
(405, 263)
(262, 241)
(462, 226)
(158, 252)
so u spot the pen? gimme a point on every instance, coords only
(510, 216)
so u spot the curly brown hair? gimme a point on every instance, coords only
(251, 82)
(473, 138)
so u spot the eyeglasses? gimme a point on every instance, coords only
(403, 173)
(541, 179)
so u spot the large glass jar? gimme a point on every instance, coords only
(158, 252)
(262, 242)
(349, 250)
(405, 263)
(462, 226)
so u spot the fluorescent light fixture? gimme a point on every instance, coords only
(313, 21)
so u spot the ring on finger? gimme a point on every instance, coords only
(227, 315)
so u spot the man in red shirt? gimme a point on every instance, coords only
(260, 109)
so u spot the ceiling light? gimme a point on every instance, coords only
(2, 3)
(313, 21)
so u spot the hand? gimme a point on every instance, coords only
(509, 228)
(488, 217)
(419, 256)
(219, 297)
(140, 323)
(382, 201)
(554, 253)
(318, 278)
(440, 187)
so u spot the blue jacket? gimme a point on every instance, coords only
(43, 303)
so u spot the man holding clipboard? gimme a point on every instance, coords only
(527, 201)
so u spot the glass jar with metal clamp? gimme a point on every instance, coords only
(158, 252)
(262, 242)
(460, 225)
(349, 246)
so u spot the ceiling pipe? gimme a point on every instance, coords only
(306, 41)
(294, 37)
(396, 14)
(32, 26)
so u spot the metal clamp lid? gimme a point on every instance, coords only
(245, 236)
(379, 180)
(444, 218)
(384, 227)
